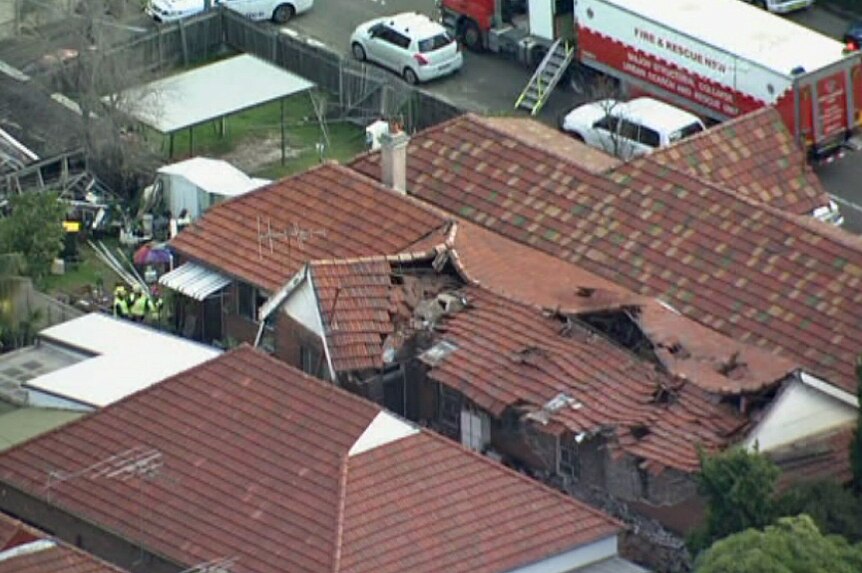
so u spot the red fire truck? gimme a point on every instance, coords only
(720, 58)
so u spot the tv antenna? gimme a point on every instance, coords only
(293, 231)
(141, 462)
(219, 565)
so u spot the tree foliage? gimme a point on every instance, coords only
(833, 508)
(739, 488)
(856, 444)
(792, 545)
(34, 228)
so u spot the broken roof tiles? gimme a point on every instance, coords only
(754, 155)
(287, 473)
(265, 236)
(685, 348)
(512, 356)
(752, 273)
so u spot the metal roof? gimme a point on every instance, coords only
(126, 357)
(194, 281)
(613, 565)
(210, 92)
(213, 176)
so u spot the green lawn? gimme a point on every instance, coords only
(254, 135)
(90, 271)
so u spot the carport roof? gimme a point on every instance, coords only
(204, 94)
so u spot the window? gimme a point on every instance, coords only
(309, 360)
(249, 300)
(649, 137)
(435, 43)
(607, 123)
(629, 130)
(686, 131)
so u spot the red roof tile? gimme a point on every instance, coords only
(754, 155)
(265, 236)
(512, 356)
(356, 305)
(54, 557)
(553, 141)
(255, 464)
(754, 274)
(826, 456)
(686, 348)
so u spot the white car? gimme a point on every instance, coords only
(628, 129)
(782, 6)
(410, 44)
(279, 11)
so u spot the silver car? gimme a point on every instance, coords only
(410, 44)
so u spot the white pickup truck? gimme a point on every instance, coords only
(279, 11)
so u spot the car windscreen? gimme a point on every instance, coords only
(435, 42)
(686, 131)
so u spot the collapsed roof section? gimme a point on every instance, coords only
(755, 274)
(644, 325)
(508, 355)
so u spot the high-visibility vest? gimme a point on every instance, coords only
(140, 306)
(121, 306)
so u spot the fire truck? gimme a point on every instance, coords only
(719, 59)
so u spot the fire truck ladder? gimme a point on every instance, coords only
(546, 77)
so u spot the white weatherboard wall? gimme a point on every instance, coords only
(800, 411)
(570, 560)
(301, 306)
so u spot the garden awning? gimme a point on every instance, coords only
(194, 281)
(210, 92)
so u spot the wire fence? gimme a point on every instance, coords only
(358, 92)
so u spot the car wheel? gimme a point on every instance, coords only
(410, 76)
(471, 37)
(283, 13)
(761, 4)
(358, 51)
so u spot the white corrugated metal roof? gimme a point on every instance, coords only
(210, 92)
(127, 357)
(213, 176)
(743, 29)
(194, 281)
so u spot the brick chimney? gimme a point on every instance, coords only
(393, 158)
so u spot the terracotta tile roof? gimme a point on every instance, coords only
(754, 274)
(338, 212)
(754, 155)
(509, 355)
(826, 456)
(53, 557)
(503, 520)
(260, 462)
(356, 304)
(686, 348)
(553, 141)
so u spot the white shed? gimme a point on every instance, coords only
(198, 183)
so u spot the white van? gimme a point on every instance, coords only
(279, 11)
(629, 129)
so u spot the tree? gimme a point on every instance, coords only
(792, 545)
(738, 486)
(856, 443)
(34, 228)
(833, 508)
